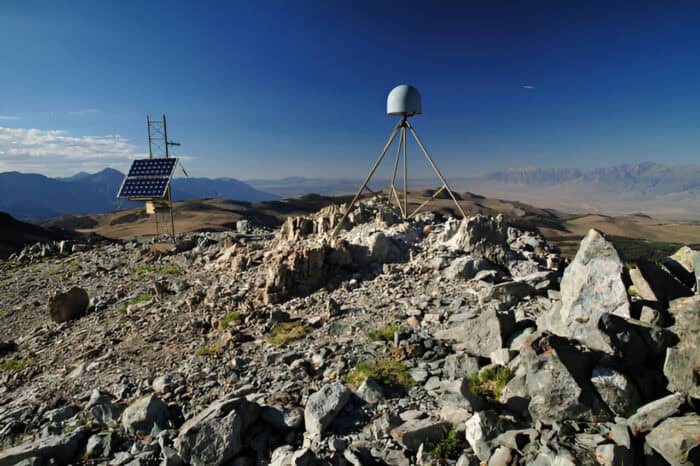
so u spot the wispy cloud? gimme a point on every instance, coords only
(7, 117)
(57, 153)
(529, 87)
(84, 112)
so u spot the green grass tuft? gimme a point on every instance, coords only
(229, 319)
(632, 292)
(148, 268)
(489, 382)
(385, 333)
(448, 447)
(15, 365)
(386, 371)
(285, 332)
(210, 350)
(142, 298)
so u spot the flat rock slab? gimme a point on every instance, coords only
(677, 439)
(482, 334)
(61, 448)
(412, 434)
(652, 413)
(683, 359)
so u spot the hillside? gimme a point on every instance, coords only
(644, 235)
(16, 234)
(428, 341)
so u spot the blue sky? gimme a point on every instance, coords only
(273, 89)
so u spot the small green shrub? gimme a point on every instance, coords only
(142, 298)
(285, 332)
(15, 365)
(489, 382)
(209, 350)
(386, 371)
(632, 292)
(229, 319)
(385, 333)
(448, 447)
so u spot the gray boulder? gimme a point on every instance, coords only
(558, 382)
(213, 437)
(145, 416)
(286, 456)
(616, 390)
(481, 429)
(482, 333)
(466, 267)
(677, 439)
(592, 286)
(460, 365)
(371, 391)
(683, 359)
(103, 408)
(323, 406)
(62, 448)
(652, 413)
(69, 306)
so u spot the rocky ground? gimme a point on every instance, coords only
(433, 341)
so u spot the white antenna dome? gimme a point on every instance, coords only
(404, 100)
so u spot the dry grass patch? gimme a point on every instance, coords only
(285, 332)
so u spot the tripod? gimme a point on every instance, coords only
(401, 127)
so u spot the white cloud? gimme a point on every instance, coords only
(56, 153)
(7, 117)
(528, 87)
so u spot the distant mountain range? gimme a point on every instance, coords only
(659, 190)
(37, 197)
(648, 177)
(663, 191)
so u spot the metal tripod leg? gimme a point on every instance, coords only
(436, 169)
(393, 178)
(364, 184)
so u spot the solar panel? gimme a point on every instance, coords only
(148, 178)
(152, 167)
(145, 187)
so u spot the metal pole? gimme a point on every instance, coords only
(165, 136)
(155, 214)
(362, 188)
(436, 169)
(148, 124)
(393, 178)
(405, 172)
(172, 220)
